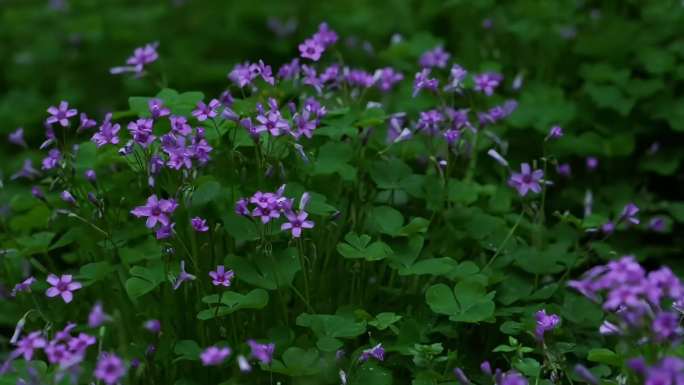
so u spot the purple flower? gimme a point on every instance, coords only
(564, 169)
(110, 368)
(587, 376)
(141, 130)
(179, 125)
(386, 78)
(311, 78)
(272, 121)
(51, 161)
(262, 352)
(61, 114)
(289, 70)
(108, 133)
(436, 57)
(214, 356)
(241, 207)
(544, 323)
(311, 49)
(461, 377)
(665, 325)
(526, 180)
(67, 197)
(81, 343)
(297, 222)
(221, 277)
(377, 352)
(592, 163)
(325, 36)
(85, 122)
(204, 111)
(555, 132)
(422, 81)
(182, 276)
(90, 175)
(63, 286)
(262, 70)
(17, 137)
(241, 75)
(359, 78)
(199, 224)
(23, 286)
(657, 224)
(429, 121)
(153, 326)
(140, 58)
(456, 76)
(27, 345)
(37, 193)
(27, 171)
(164, 231)
(512, 378)
(629, 213)
(305, 124)
(608, 227)
(487, 82)
(97, 316)
(156, 211)
(486, 368)
(57, 353)
(157, 108)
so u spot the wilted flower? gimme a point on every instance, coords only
(97, 316)
(27, 171)
(51, 161)
(17, 137)
(23, 286)
(140, 58)
(243, 364)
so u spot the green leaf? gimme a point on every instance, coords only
(384, 320)
(467, 302)
(188, 350)
(372, 373)
(232, 302)
(385, 220)
(333, 158)
(93, 272)
(144, 279)
(267, 273)
(242, 229)
(37, 243)
(208, 191)
(298, 362)
(610, 97)
(358, 247)
(388, 174)
(604, 356)
(327, 327)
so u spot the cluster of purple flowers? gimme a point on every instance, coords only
(243, 74)
(668, 370)
(636, 297)
(500, 377)
(269, 206)
(273, 122)
(313, 47)
(628, 216)
(216, 356)
(63, 350)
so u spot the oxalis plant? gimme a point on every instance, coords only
(296, 230)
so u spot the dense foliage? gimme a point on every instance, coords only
(370, 193)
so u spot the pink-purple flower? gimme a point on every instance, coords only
(17, 137)
(296, 222)
(526, 180)
(214, 356)
(487, 82)
(206, 111)
(157, 211)
(377, 352)
(199, 224)
(544, 323)
(63, 286)
(221, 277)
(141, 57)
(183, 276)
(61, 114)
(110, 368)
(262, 352)
(27, 345)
